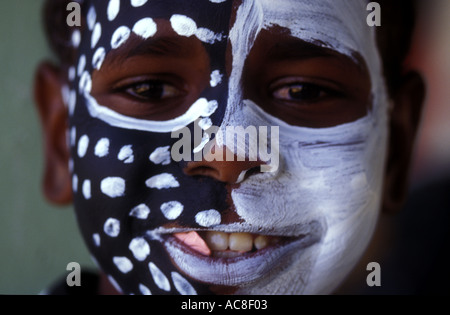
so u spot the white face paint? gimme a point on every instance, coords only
(327, 175)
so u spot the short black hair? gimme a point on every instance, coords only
(394, 37)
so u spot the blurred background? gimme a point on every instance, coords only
(37, 240)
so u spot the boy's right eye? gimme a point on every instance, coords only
(153, 90)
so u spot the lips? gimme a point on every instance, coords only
(233, 258)
(226, 245)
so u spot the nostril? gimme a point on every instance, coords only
(253, 170)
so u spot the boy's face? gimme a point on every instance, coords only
(147, 68)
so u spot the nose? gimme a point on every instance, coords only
(227, 169)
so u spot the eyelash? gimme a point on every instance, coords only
(150, 90)
(301, 92)
(283, 92)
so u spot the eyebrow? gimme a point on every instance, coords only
(135, 47)
(299, 49)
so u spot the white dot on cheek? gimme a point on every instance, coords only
(112, 227)
(102, 147)
(96, 239)
(162, 181)
(75, 183)
(144, 290)
(140, 212)
(182, 285)
(140, 248)
(161, 156)
(123, 264)
(160, 279)
(83, 145)
(126, 154)
(208, 218)
(87, 189)
(172, 209)
(113, 187)
(113, 9)
(76, 38)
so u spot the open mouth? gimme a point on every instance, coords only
(233, 258)
(218, 244)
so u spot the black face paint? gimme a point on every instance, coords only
(125, 183)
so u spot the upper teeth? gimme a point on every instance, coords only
(240, 242)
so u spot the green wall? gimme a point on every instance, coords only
(37, 240)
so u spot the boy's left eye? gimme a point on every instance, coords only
(299, 92)
(152, 90)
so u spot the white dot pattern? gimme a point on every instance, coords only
(160, 279)
(145, 28)
(96, 33)
(92, 148)
(113, 9)
(138, 3)
(98, 58)
(172, 209)
(102, 147)
(75, 183)
(120, 36)
(87, 189)
(162, 181)
(161, 156)
(91, 18)
(140, 212)
(123, 264)
(140, 248)
(182, 285)
(113, 187)
(208, 218)
(112, 227)
(126, 154)
(96, 239)
(144, 290)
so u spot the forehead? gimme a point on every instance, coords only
(336, 24)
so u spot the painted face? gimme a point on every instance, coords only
(158, 225)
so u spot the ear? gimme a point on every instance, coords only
(404, 123)
(48, 97)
